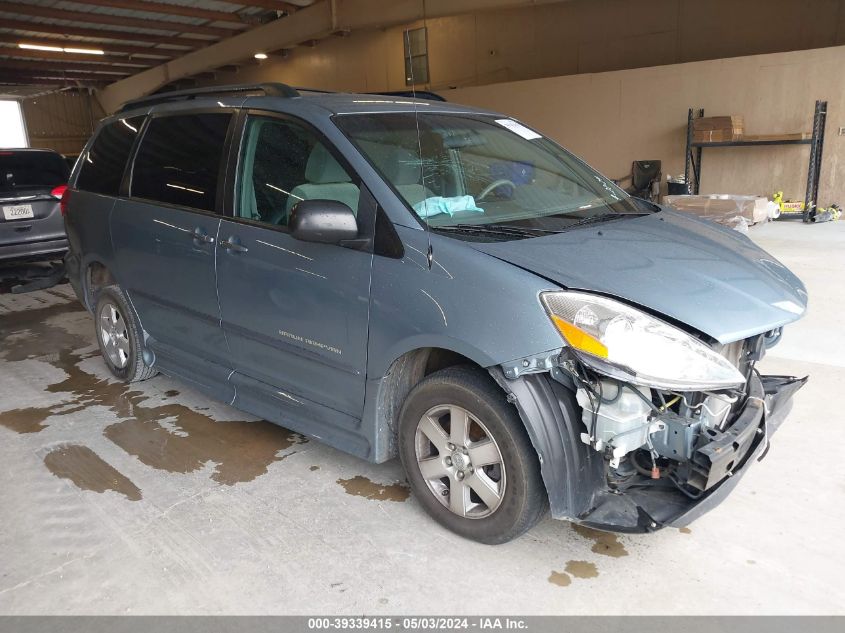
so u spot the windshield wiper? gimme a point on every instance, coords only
(495, 229)
(603, 217)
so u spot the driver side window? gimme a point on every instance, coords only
(283, 162)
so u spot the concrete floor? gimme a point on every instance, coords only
(155, 499)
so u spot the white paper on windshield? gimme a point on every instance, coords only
(518, 128)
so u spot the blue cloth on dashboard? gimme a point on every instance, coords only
(450, 206)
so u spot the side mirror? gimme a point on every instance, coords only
(323, 221)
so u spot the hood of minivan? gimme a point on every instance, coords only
(709, 277)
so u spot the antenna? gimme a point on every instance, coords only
(429, 252)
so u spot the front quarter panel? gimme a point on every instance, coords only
(468, 302)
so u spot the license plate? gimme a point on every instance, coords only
(18, 212)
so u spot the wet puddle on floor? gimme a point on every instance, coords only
(574, 569)
(171, 437)
(360, 486)
(26, 334)
(581, 569)
(88, 471)
(604, 543)
(560, 579)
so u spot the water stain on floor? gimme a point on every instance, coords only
(241, 451)
(169, 437)
(32, 419)
(560, 579)
(581, 569)
(88, 471)
(26, 334)
(360, 486)
(604, 543)
(29, 420)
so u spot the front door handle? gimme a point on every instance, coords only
(233, 244)
(201, 236)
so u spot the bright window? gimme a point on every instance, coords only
(416, 56)
(12, 133)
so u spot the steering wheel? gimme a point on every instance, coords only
(494, 185)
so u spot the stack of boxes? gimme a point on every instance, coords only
(717, 129)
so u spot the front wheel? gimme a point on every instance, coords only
(468, 457)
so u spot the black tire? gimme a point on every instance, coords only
(524, 501)
(134, 369)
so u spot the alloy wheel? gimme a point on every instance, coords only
(460, 461)
(111, 328)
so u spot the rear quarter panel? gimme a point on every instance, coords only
(89, 235)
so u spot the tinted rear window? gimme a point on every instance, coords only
(180, 158)
(102, 166)
(30, 170)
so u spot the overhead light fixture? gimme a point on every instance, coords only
(85, 51)
(60, 49)
(37, 47)
(261, 56)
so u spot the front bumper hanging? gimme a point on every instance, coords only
(574, 474)
(719, 464)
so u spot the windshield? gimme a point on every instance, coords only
(465, 171)
(31, 170)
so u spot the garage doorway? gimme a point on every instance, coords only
(12, 129)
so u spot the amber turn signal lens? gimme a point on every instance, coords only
(579, 339)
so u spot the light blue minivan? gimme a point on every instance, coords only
(400, 277)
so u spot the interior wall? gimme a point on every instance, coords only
(563, 38)
(612, 118)
(61, 121)
(613, 79)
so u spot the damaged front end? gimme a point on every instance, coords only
(625, 449)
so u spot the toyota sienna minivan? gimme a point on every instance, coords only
(405, 278)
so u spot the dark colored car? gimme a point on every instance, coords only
(32, 182)
(417, 279)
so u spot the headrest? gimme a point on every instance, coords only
(322, 168)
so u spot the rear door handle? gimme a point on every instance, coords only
(233, 244)
(201, 236)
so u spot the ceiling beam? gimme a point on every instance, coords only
(89, 17)
(272, 5)
(314, 22)
(72, 67)
(6, 82)
(12, 76)
(53, 56)
(9, 38)
(120, 36)
(169, 9)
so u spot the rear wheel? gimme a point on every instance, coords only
(119, 336)
(468, 458)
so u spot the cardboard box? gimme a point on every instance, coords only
(715, 136)
(722, 208)
(717, 129)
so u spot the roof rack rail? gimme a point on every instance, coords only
(418, 94)
(266, 89)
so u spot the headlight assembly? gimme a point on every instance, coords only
(628, 344)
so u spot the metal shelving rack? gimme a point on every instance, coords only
(692, 167)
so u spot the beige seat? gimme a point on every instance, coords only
(327, 180)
